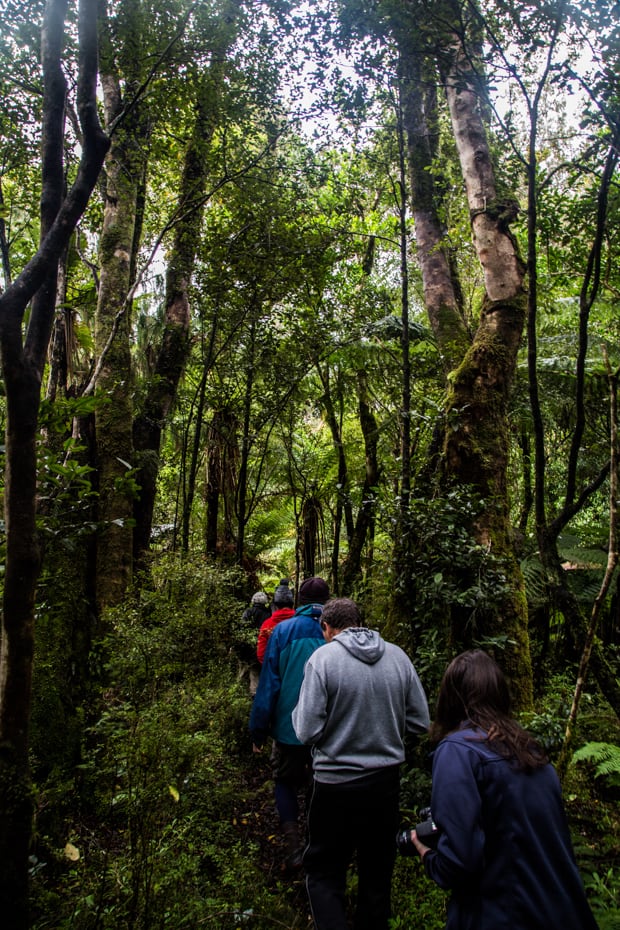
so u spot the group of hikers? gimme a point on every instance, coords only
(337, 705)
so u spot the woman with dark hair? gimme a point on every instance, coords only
(504, 849)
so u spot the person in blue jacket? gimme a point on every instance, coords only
(290, 645)
(504, 849)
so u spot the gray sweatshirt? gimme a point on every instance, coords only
(359, 697)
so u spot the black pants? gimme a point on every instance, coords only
(359, 817)
(292, 773)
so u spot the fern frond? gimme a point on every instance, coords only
(605, 756)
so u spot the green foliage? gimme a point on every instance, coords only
(606, 760)
(416, 901)
(286, 308)
(603, 891)
(66, 492)
(595, 831)
(160, 837)
(547, 727)
(415, 788)
(179, 624)
(450, 570)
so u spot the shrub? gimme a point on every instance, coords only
(155, 840)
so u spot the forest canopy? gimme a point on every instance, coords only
(292, 289)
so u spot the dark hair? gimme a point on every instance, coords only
(341, 612)
(474, 691)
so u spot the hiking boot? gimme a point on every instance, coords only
(294, 848)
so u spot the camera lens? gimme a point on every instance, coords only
(404, 844)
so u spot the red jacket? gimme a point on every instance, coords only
(284, 613)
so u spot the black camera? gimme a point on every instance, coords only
(426, 831)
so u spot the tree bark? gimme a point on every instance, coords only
(442, 293)
(352, 566)
(5, 257)
(221, 482)
(22, 364)
(312, 535)
(242, 480)
(333, 421)
(175, 345)
(475, 443)
(124, 172)
(214, 482)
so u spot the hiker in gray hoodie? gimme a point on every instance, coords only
(359, 698)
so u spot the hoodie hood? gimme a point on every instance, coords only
(365, 645)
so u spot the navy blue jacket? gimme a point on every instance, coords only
(289, 648)
(504, 850)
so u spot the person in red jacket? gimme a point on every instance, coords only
(282, 603)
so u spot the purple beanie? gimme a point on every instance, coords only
(313, 591)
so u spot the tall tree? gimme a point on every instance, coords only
(543, 70)
(440, 43)
(174, 347)
(477, 437)
(23, 359)
(124, 73)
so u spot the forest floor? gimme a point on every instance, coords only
(259, 824)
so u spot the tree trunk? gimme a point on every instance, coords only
(333, 422)
(475, 445)
(124, 172)
(58, 379)
(5, 257)
(189, 485)
(242, 482)
(352, 566)
(215, 481)
(221, 482)
(175, 346)
(418, 122)
(312, 534)
(113, 415)
(442, 293)
(22, 367)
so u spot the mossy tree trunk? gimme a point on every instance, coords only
(481, 367)
(124, 177)
(419, 119)
(22, 368)
(476, 442)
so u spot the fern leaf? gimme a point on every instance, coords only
(604, 756)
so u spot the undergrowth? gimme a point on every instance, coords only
(170, 821)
